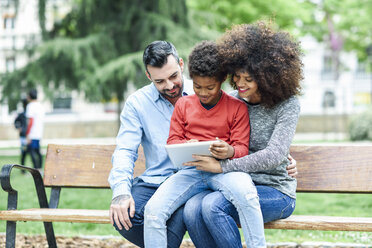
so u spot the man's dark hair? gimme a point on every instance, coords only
(157, 52)
(204, 61)
(32, 94)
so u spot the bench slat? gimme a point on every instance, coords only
(336, 169)
(57, 215)
(323, 223)
(321, 168)
(298, 222)
(77, 165)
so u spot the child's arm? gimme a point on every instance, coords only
(239, 137)
(177, 124)
(240, 131)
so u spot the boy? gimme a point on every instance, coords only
(208, 114)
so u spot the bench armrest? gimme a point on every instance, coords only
(13, 194)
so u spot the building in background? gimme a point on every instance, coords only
(329, 100)
(20, 30)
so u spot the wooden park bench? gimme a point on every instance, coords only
(322, 169)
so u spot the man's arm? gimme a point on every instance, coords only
(292, 167)
(29, 126)
(121, 174)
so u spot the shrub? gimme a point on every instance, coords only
(360, 127)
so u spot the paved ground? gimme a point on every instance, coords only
(39, 241)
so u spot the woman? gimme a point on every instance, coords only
(266, 70)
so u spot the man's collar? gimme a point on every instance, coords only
(155, 93)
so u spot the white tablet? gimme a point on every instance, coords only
(181, 153)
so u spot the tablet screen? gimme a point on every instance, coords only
(181, 153)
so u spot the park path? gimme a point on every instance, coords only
(39, 241)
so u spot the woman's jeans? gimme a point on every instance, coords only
(141, 193)
(236, 187)
(211, 219)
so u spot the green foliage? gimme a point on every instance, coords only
(351, 20)
(97, 48)
(221, 14)
(360, 127)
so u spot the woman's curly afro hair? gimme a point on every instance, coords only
(272, 58)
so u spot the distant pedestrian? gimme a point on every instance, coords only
(20, 124)
(35, 118)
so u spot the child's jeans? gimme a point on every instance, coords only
(237, 187)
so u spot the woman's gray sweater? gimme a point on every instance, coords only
(272, 131)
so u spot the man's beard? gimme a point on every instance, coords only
(173, 95)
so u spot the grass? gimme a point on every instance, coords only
(307, 203)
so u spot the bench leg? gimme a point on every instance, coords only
(10, 234)
(49, 232)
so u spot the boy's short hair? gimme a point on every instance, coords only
(205, 61)
(157, 52)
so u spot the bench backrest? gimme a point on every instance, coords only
(339, 168)
(82, 166)
(321, 168)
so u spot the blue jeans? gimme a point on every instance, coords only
(34, 148)
(237, 187)
(141, 193)
(211, 219)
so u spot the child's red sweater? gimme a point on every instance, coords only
(228, 120)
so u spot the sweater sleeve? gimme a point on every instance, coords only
(239, 133)
(177, 124)
(278, 146)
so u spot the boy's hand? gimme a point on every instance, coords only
(221, 150)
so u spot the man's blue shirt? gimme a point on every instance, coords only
(145, 120)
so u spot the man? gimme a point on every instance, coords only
(145, 120)
(34, 133)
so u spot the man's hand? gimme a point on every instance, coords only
(119, 211)
(221, 150)
(292, 168)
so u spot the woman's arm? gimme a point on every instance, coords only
(277, 148)
(267, 158)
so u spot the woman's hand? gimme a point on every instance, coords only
(205, 163)
(221, 150)
(292, 167)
